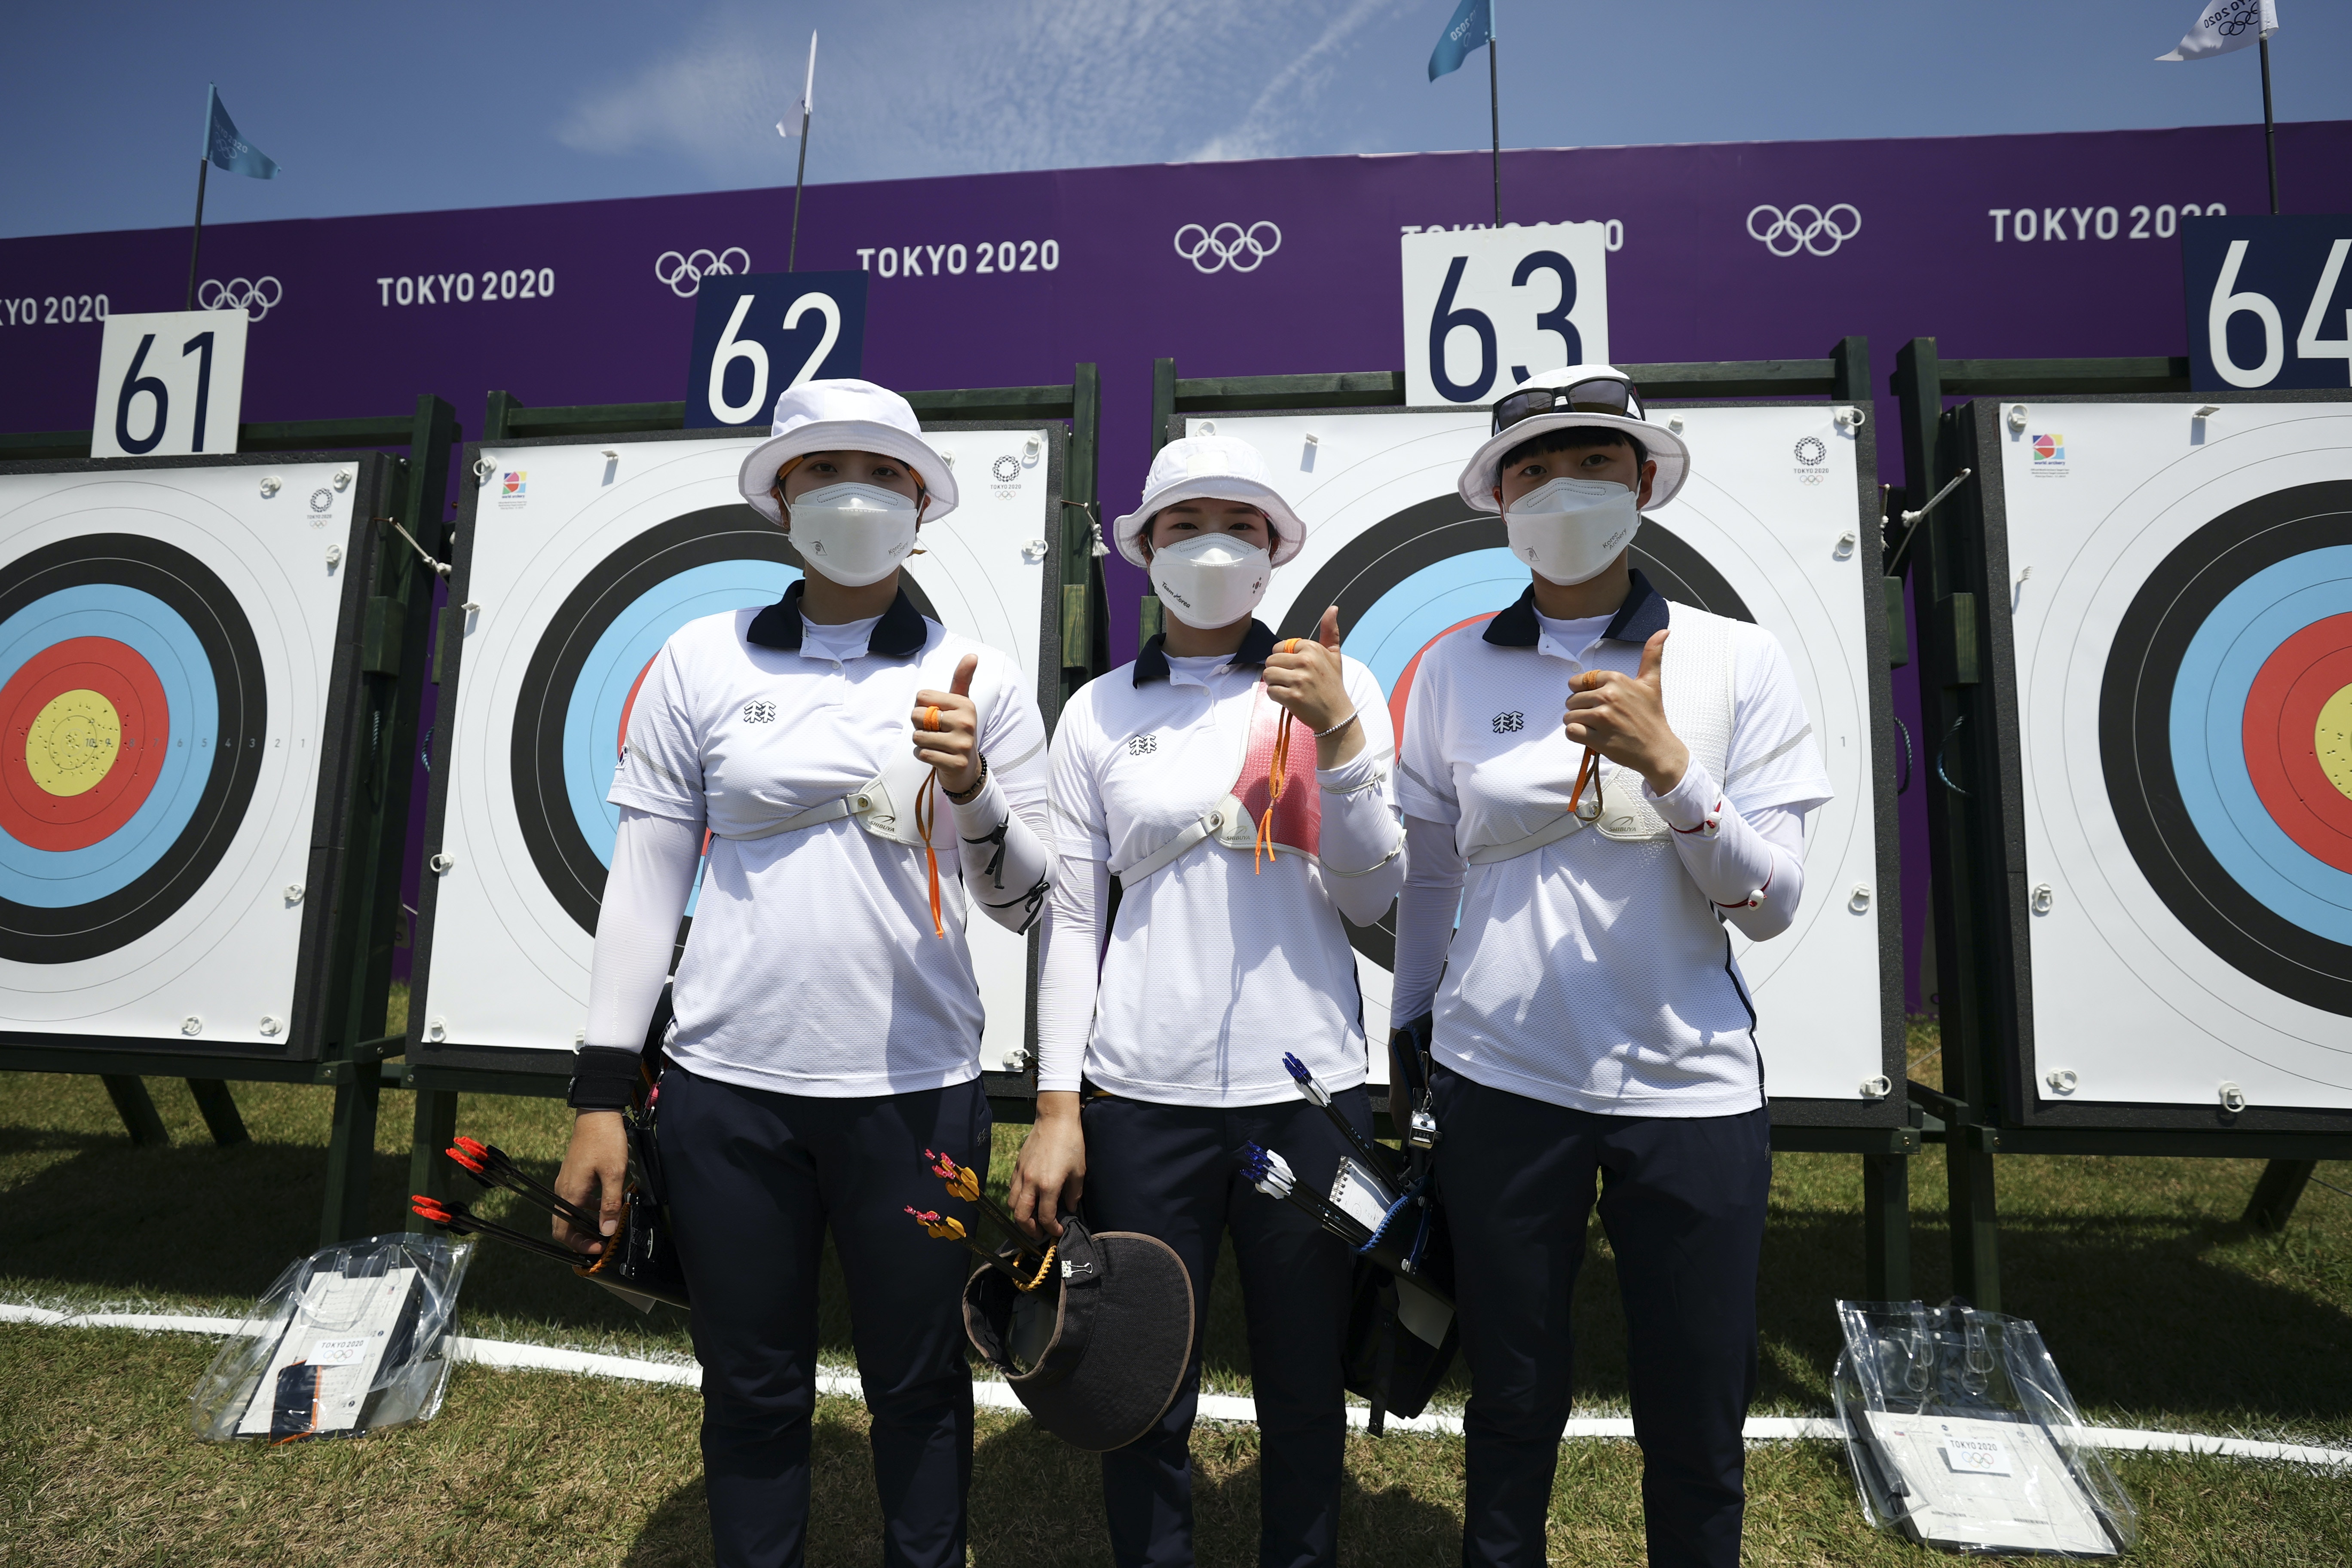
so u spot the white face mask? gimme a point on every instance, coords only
(1571, 530)
(853, 534)
(1209, 580)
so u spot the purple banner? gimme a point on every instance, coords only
(2012, 246)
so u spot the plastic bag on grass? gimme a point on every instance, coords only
(351, 1338)
(1962, 1435)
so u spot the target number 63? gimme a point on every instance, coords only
(755, 336)
(2240, 271)
(1486, 309)
(169, 383)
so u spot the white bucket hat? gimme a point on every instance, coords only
(1577, 396)
(1211, 468)
(845, 416)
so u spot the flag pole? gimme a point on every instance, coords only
(808, 90)
(205, 163)
(2270, 126)
(1494, 109)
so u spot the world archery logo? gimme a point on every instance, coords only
(2049, 457)
(514, 482)
(1511, 723)
(513, 488)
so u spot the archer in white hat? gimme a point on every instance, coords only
(1239, 789)
(1596, 782)
(827, 1044)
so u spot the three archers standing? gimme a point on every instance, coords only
(1591, 1028)
(828, 1019)
(1238, 793)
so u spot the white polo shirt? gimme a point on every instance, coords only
(1216, 965)
(1590, 973)
(813, 968)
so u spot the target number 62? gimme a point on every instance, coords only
(755, 336)
(170, 383)
(1486, 309)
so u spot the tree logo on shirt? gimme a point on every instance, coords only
(759, 712)
(1143, 745)
(1511, 723)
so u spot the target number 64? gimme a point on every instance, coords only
(1486, 309)
(2250, 281)
(170, 383)
(756, 336)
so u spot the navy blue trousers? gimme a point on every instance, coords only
(1683, 1204)
(755, 1180)
(1173, 1171)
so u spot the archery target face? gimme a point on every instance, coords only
(581, 565)
(2181, 611)
(165, 641)
(1764, 531)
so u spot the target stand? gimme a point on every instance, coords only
(1770, 530)
(2137, 675)
(587, 537)
(209, 673)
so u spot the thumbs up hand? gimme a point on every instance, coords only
(1623, 717)
(1308, 679)
(947, 730)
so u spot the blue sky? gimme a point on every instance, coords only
(430, 104)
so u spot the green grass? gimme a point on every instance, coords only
(2161, 1309)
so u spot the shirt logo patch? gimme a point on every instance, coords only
(1511, 723)
(759, 712)
(1143, 745)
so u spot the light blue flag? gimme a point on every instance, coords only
(225, 149)
(1472, 24)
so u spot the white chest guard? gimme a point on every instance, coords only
(1697, 675)
(885, 804)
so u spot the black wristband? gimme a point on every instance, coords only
(603, 1077)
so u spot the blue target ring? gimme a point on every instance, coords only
(58, 879)
(2210, 693)
(177, 625)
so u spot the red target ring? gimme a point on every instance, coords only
(83, 706)
(2283, 714)
(1413, 668)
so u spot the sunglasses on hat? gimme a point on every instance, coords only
(1600, 395)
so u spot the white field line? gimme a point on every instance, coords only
(513, 1356)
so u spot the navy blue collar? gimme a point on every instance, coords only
(1640, 617)
(1151, 664)
(898, 635)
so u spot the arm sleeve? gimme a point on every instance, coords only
(1749, 865)
(654, 862)
(1006, 838)
(1426, 909)
(1068, 972)
(1362, 844)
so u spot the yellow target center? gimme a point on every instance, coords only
(2331, 740)
(73, 743)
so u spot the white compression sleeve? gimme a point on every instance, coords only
(1070, 971)
(654, 862)
(1424, 924)
(1359, 830)
(1757, 856)
(1005, 876)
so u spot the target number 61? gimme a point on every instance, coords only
(757, 335)
(170, 383)
(1486, 309)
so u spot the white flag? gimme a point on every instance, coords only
(2226, 26)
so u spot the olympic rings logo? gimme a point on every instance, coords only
(2235, 17)
(1227, 245)
(683, 275)
(1804, 227)
(254, 296)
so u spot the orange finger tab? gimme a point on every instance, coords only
(931, 716)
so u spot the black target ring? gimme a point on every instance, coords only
(570, 866)
(32, 934)
(2136, 741)
(1373, 566)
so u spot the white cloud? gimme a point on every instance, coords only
(933, 87)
